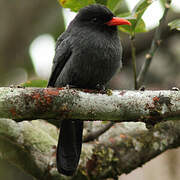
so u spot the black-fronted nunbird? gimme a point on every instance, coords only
(87, 55)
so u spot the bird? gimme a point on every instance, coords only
(87, 55)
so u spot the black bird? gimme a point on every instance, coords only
(87, 55)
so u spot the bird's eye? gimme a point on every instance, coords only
(94, 20)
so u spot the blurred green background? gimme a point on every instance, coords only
(29, 29)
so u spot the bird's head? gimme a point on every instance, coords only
(100, 17)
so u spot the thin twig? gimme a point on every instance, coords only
(94, 135)
(133, 54)
(155, 44)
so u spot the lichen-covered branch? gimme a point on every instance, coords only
(28, 146)
(31, 146)
(126, 151)
(118, 106)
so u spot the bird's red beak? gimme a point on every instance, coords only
(115, 21)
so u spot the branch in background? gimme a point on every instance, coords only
(94, 135)
(125, 152)
(155, 44)
(117, 155)
(29, 146)
(53, 103)
(133, 52)
(147, 37)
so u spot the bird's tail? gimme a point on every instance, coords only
(69, 146)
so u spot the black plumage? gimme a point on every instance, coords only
(87, 55)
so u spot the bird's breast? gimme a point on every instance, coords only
(93, 61)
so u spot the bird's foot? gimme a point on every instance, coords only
(101, 88)
(142, 88)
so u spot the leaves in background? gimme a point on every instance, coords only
(175, 24)
(138, 11)
(75, 5)
(104, 2)
(163, 2)
(139, 28)
(35, 83)
(113, 4)
(138, 25)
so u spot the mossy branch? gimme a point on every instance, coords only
(119, 106)
(31, 146)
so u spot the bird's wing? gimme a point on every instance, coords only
(62, 54)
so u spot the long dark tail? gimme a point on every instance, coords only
(69, 146)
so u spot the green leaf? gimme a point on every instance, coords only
(138, 25)
(175, 24)
(35, 83)
(163, 2)
(138, 11)
(104, 2)
(75, 5)
(139, 28)
(140, 8)
(113, 4)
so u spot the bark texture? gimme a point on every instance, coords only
(31, 145)
(63, 103)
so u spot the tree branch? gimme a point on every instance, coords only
(28, 146)
(125, 152)
(155, 44)
(95, 134)
(62, 103)
(133, 52)
(113, 155)
(118, 153)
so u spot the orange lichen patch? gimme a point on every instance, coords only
(41, 99)
(89, 90)
(48, 93)
(48, 99)
(53, 92)
(13, 112)
(122, 136)
(62, 88)
(156, 99)
(36, 96)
